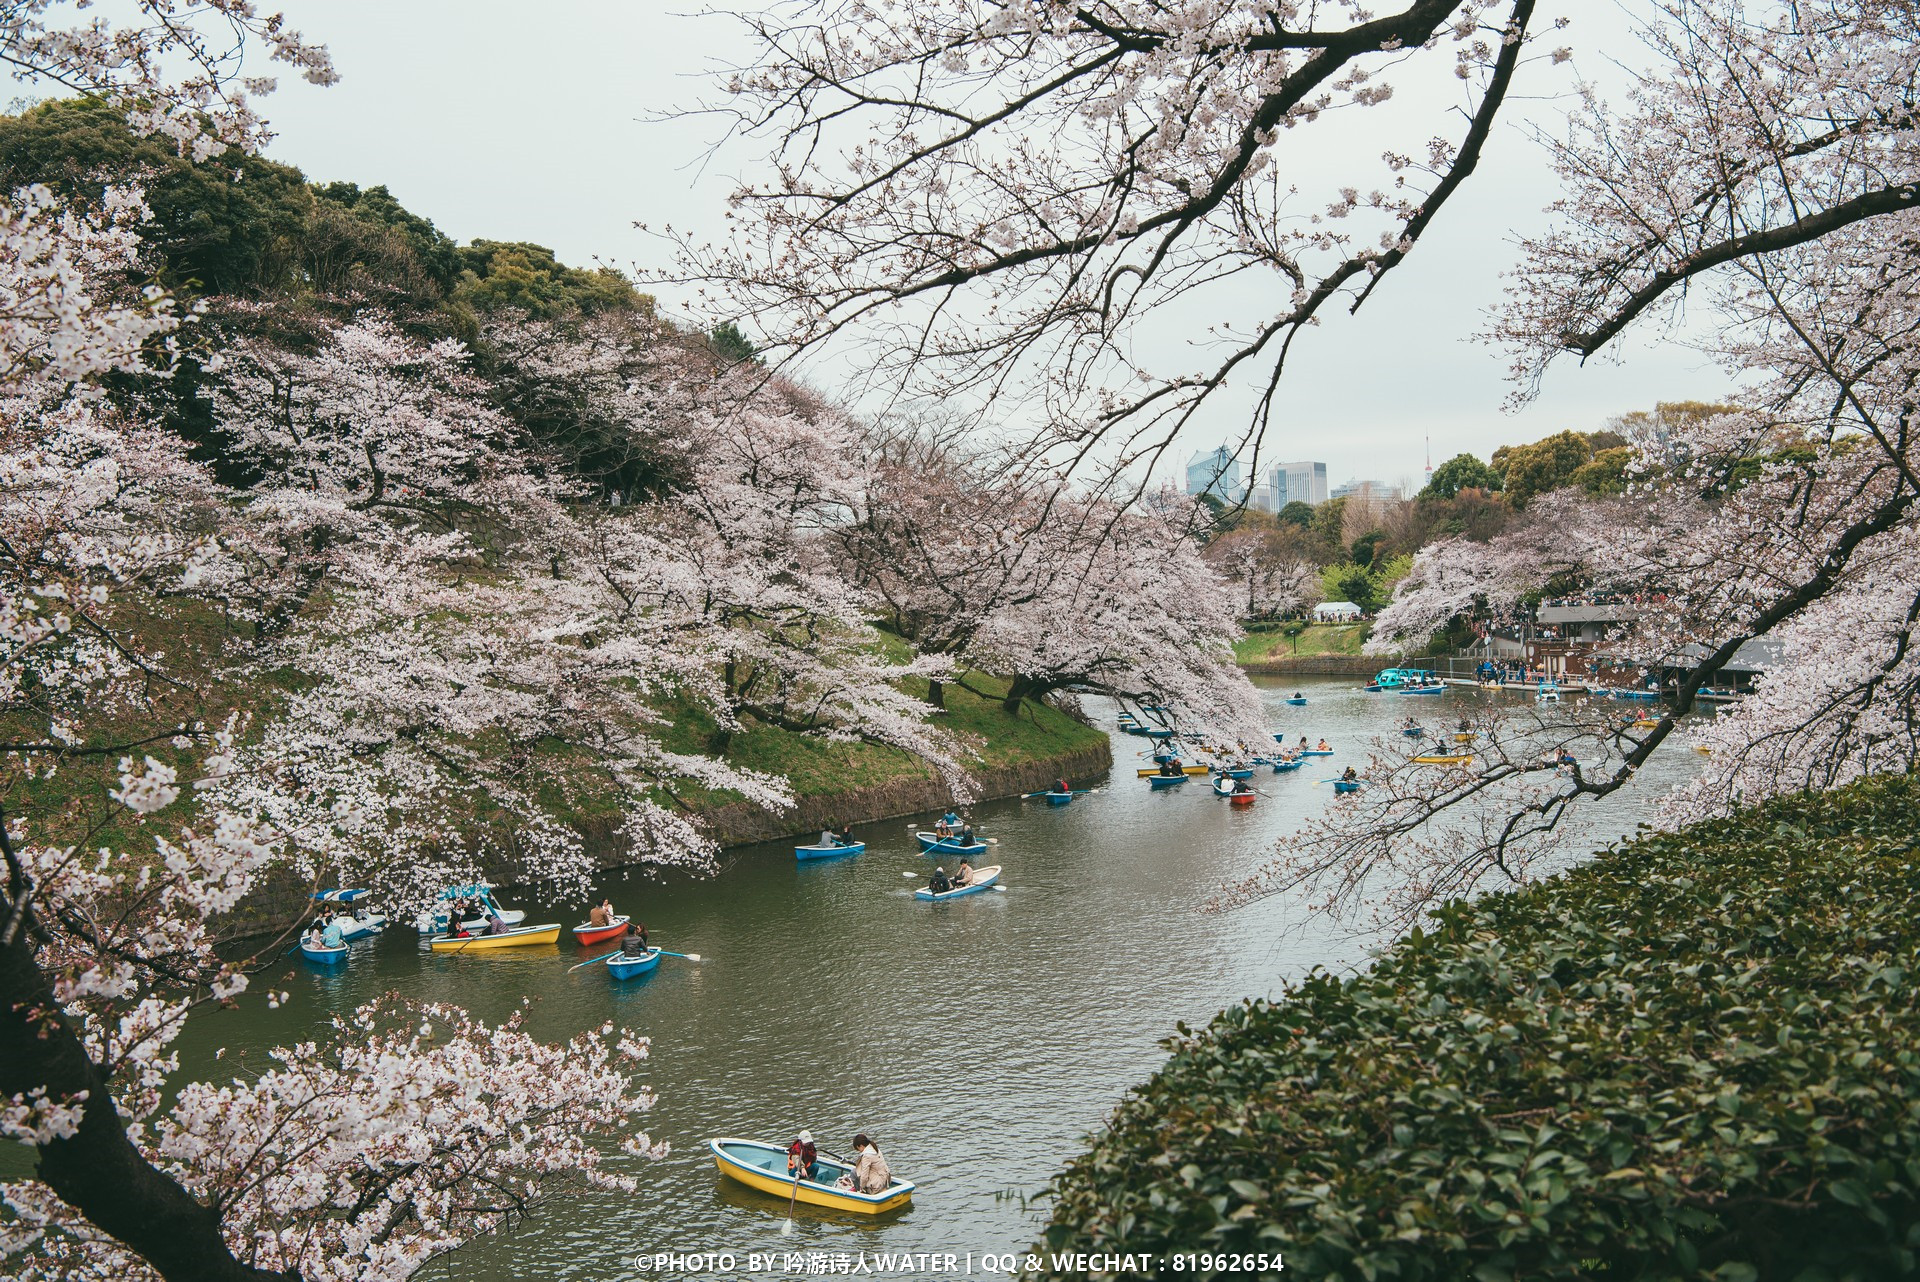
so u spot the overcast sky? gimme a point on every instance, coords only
(539, 122)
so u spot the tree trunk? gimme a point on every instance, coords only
(937, 693)
(97, 1171)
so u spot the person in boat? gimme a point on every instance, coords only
(1323, 746)
(963, 876)
(940, 883)
(948, 823)
(870, 1171)
(845, 836)
(966, 835)
(1303, 745)
(313, 937)
(496, 924)
(1350, 776)
(1241, 785)
(634, 942)
(1298, 695)
(1061, 785)
(803, 1159)
(1171, 767)
(601, 914)
(827, 838)
(1565, 759)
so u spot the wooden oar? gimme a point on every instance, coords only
(583, 965)
(692, 957)
(786, 1225)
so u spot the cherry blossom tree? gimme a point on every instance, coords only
(1267, 581)
(995, 200)
(1765, 160)
(179, 67)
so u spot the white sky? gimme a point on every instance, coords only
(514, 122)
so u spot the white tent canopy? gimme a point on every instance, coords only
(1335, 611)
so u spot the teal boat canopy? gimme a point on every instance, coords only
(1391, 677)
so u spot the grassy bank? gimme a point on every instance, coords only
(1316, 638)
(822, 768)
(1696, 1057)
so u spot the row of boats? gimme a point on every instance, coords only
(951, 838)
(463, 918)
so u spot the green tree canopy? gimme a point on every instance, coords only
(1297, 513)
(730, 345)
(226, 227)
(1461, 472)
(1548, 464)
(518, 274)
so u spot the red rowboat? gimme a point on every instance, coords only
(1240, 799)
(584, 934)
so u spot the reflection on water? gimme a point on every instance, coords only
(979, 1040)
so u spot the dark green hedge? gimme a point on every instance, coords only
(1697, 1056)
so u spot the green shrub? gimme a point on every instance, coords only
(1697, 1056)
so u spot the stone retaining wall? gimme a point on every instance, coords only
(1318, 665)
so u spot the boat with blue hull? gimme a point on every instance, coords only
(1238, 772)
(1166, 781)
(321, 955)
(983, 879)
(1281, 767)
(932, 843)
(820, 850)
(625, 967)
(1399, 678)
(1297, 702)
(352, 918)
(1059, 798)
(1345, 785)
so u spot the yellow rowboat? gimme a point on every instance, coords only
(764, 1167)
(547, 934)
(1192, 770)
(1645, 723)
(1463, 737)
(1445, 759)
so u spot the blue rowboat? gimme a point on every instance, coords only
(932, 843)
(1421, 689)
(1346, 785)
(818, 851)
(1239, 772)
(1280, 739)
(1372, 687)
(1316, 752)
(625, 967)
(1412, 732)
(983, 879)
(1058, 798)
(1166, 781)
(1297, 701)
(1158, 734)
(323, 956)
(1280, 766)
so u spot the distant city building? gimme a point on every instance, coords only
(1216, 472)
(1296, 483)
(1369, 491)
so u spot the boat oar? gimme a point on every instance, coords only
(786, 1225)
(692, 957)
(583, 965)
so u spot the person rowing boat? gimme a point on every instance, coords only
(803, 1159)
(940, 883)
(634, 942)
